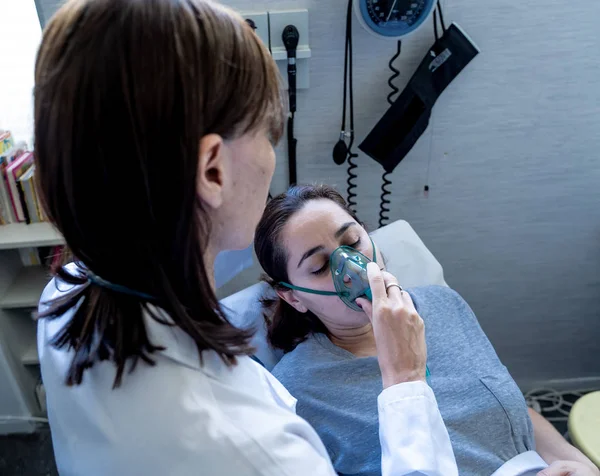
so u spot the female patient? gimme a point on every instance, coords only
(331, 367)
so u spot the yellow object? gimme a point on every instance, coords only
(584, 426)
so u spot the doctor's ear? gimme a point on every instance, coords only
(290, 297)
(211, 170)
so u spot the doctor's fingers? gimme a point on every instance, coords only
(397, 296)
(378, 292)
(376, 283)
(392, 289)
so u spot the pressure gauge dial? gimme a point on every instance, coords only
(393, 18)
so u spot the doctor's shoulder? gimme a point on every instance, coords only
(179, 413)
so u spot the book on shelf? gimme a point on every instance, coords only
(27, 191)
(13, 173)
(6, 157)
(19, 200)
(46, 256)
(29, 257)
(6, 140)
(6, 214)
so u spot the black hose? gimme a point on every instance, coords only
(383, 207)
(442, 22)
(396, 72)
(349, 82)
(438, 11)
(351, 196)
(386, 192)
(292, 145)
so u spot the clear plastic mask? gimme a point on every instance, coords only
(349, 274)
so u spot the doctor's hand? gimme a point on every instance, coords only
(569, 468)
(399, 330)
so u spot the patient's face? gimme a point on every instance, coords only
(309, 237)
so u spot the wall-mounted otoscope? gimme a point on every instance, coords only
(291, 37)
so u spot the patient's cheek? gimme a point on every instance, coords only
(323, 306)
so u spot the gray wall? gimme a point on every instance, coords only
(511, 157)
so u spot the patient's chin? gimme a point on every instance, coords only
(356, 317)
(343, 317)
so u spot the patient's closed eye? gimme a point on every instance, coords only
(355, 244)
(325, 266)
(322, 269)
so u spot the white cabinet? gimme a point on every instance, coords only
(20, 290)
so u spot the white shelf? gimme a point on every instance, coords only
(30, 356)
(26, 289)
(20, 235)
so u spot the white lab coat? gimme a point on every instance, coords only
(180, 418)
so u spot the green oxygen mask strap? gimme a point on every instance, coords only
(306, 290)
(325, 293)
(374, 250)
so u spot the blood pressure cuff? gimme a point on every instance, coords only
(405, 121)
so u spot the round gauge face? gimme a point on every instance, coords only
(394, 18)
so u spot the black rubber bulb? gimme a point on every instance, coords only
(340, 152)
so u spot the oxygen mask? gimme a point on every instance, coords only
(349, 274)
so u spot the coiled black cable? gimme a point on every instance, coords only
(351, 199)
(386, 192)
(395, 73)
(383, 206)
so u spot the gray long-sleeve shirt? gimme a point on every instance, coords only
(483, 409)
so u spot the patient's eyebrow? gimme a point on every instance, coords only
(343, 228)
(309, 253)
(316, 249)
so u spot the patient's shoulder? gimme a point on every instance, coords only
(452, 328)
(439, 299)
(435, 293)
(301, 362)
(440, 305)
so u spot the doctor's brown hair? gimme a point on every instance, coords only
(287, 327)
(124, 91)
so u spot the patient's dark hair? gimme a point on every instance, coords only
(286, 326)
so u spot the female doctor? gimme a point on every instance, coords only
(154, 124)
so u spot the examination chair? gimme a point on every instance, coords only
(406, 256)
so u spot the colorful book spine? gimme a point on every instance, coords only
(6, 141)
(21, 193)
(6, 208)
(57, 258)
(13, 174)
(9, 152)
(38, 203)
(29, 202)
(29, 256)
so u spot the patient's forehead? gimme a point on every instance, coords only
(315, 224)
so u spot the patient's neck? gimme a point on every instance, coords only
(359, 341)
